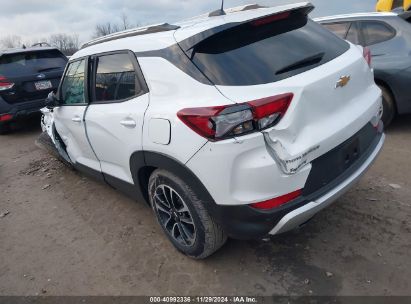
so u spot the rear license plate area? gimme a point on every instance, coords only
(43, 85)
(339, 160)
(350, 153)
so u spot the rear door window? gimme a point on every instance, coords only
(21, 64)
(340, 28)
(115, 78)
(376, 32)
(253, 54)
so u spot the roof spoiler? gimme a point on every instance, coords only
(189, 43)
(162, 27)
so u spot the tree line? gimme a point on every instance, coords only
(68, 43)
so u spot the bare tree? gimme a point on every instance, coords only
(11, 41)
(125, 24)
(103, 29)
(68, 44)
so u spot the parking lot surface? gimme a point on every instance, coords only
(64, 234)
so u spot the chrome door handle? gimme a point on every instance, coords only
(128, 122)
(76, 119)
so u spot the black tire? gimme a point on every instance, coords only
(388, 104)
(185, 221)
(5, 129)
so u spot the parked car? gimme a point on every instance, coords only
(27, 75)
(390, 5)
(239, 125)
(388, 36)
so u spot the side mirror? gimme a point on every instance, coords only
(51, 101)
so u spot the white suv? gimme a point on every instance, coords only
(242, 124)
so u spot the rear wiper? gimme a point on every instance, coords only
(49, 69)
(314, 59)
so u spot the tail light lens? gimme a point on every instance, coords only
(6, 117)
(278, 201)
(222, 122)
(5, 84)
(367, 55)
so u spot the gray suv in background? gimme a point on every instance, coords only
(388, 36)
(27, 76)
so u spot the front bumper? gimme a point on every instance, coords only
(245, 222)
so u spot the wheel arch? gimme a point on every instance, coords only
(143, 164)
(387, 86)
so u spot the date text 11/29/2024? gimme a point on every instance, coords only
(236, 299)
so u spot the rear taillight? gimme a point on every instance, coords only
(221, 122)
(367, 55)
(6, 117)
(268, 111)
(278, 201)
(5, 84)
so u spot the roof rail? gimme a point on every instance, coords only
(161, 27)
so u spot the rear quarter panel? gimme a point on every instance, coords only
(171, 90)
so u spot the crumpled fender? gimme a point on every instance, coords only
(47, 121)
(47, 126)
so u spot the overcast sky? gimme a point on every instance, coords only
(33, 20)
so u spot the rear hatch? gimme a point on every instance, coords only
(334, 92)
(33, 74)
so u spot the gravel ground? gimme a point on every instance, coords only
(64, 234)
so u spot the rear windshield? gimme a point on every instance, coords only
(31, 62)
(253, 54)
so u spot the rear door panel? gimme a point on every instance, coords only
(112, 141)
(114, 119)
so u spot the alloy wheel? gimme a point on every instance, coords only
(174, 215)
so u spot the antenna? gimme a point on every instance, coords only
(219, 12)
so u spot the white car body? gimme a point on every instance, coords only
(238, 171)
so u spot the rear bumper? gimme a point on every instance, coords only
(23, 109)
(244, 222)
(301, 215)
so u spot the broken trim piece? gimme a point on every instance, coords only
(288, 164)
